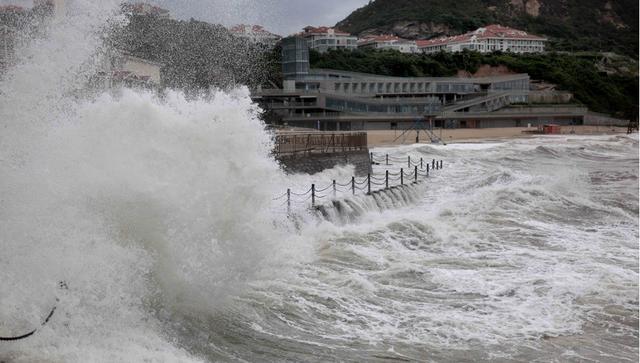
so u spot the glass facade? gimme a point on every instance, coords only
(519, 84)
(295, 58)
(454, 87)
(379, 107)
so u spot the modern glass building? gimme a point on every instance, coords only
(337, 100)
(295, 58)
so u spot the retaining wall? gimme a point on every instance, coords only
(600, 119)
(312, 163)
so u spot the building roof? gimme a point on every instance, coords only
(322, 30)
(147, 9)
(244, 29)
(347, 76)
(11, 9)
(489, 32)
(380, 38)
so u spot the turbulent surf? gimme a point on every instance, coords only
(158, 214)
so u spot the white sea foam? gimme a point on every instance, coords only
(158, 215)
(142, 206)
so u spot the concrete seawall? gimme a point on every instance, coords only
(312, 163)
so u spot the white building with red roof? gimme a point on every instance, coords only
(255, 33)
(324, 38)
(387, 41)
(147, 9)
(485, 40)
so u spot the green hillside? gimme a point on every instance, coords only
(571, 25)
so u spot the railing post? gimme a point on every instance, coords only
(401, 176)
(371, 157)
(440, 164)
(387, 157)
(409, 161)
(415, 171)
(421, 167)
(386, 180)
(433, 164)
(288, 201)
(333, 141)
(313, 195)
(427, 170)
(368, 183)
(353, 185)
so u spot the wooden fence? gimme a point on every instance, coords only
(320, 142)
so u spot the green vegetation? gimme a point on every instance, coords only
(581, 74)
(571, 25)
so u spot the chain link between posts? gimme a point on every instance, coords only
(419, 170)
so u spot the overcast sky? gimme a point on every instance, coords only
(280, 16)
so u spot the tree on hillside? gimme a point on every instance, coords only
(195, 54)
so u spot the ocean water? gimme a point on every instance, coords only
(158, 214)
(521, 250)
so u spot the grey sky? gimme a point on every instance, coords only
(280, 16)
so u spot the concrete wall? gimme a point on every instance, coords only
(524, 122)
(599, 119)
(140, 67)
(550, 97)
(312, 163)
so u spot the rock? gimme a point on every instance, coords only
(532, 7)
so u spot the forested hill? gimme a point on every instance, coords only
(195, 55)
(571, 25)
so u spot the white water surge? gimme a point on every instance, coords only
(158, 216)
(143, 207)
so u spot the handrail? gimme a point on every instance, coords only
(418, 171)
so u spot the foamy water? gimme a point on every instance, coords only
(158, 214)
(522, 250)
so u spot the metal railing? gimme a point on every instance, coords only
(291, 143)
(272, 105)
(417, 171)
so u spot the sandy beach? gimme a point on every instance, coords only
(391, 137)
